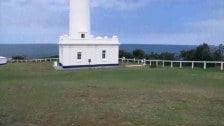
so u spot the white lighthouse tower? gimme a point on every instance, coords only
(80, 48)
(79, 18)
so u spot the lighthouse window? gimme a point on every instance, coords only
(83, 35)
(79, 55)
(104, 54)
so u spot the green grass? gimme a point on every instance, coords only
(37, 95)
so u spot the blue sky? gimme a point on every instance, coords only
(185, 22)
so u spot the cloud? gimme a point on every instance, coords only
(45, 20)
(212, 29)
(120, 4)
(111, 4)
(193, 33)
(32, 20)
(127, 4)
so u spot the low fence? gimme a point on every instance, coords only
(171, 63)
(33, 60)
(139, 61)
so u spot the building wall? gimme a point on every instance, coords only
(3, 60)
(68, 54)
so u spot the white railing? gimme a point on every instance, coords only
(34, 60)
(171, 62)
(138, 61)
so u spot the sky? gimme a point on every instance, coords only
(182, 22)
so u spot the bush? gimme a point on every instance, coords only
(20, 58)
(138, 53)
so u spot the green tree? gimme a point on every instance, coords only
(217, 56)
(219, 53)
(152, 56)
(139, 54)
(20, 58)
(188, 55)
(167, 56)
(221, 48)
(203, 53)
(123, 53)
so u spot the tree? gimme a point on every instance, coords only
(221, 49)
(188, 55)
(123, 53)
(139, 54)
(152, 56)
(167, 56)
(19, 58)
(219, 53)
(217, 56)
(203, 53)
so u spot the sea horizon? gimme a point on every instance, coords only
(120, 44)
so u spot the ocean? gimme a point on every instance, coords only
(47, 50)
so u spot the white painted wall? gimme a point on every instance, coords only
(93, 52)
(3, 60)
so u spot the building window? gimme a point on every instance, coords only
(83, 36)
(79, 55)
(104, 54)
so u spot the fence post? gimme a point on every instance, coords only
(157, 63)
(192, 65)
(222, 66)
(143, 62)
(205, 65)
(123, 59)
(150, 63)
(180, 65)
(171, 64)
(163, 63)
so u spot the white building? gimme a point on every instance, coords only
(80, 48)
(3, 60)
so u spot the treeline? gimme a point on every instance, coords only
(202, 53)
(140, 54)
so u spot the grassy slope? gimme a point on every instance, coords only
(35, 94)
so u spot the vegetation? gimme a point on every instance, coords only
(219, 53)
(202, 53)
(20, 58)
(56, 56)
(140, 54)
(126, 54)
(162, 56)
(37, 95)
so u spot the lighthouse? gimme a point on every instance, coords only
(79, 24)
(80, 49)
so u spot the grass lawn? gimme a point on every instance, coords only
(37, 95)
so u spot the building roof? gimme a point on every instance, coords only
(89, 41)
